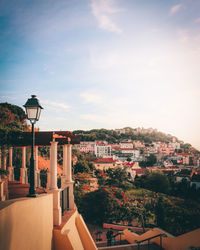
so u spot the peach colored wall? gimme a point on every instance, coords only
(170, 243)
(27, 223)
(61, 241)
(184, 241)
(71, 239)
(104, 166)
(73, 235)
(129, 236)
(84, 233)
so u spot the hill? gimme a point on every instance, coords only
(12, 122)
(12, 116)
(118, 135)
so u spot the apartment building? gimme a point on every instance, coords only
(126, 145)
(102, 150)
(87, 147)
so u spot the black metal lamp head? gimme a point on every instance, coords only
(33, 109)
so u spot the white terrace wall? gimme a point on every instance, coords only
(27, 223)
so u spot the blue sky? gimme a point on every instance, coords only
(104, 63)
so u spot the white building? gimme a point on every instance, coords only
(128, 145)
(175, 145)
(102, 150)
(87, 146)
(138, 144)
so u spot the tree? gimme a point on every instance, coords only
(91, 166)
(151, 160)
(12, 116)
(78, 154)
(186, 147)
(112, 136)
(159, 213)
(12, 123)
(140, 181)
(157, 182)
(107, 204)
(100, 177)
(117, 177)
(176, 216)
(81, 167)
(92, 207)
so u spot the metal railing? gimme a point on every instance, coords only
(120, 238)
(64, 199)
(150, 238)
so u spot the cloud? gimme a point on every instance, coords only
(46, 69)
(91, 97)
(107, 59)
(93, 118)
(61, 118)
(184, 35)
(175, 8)
(102, 9)
(56, 104)
(197, 20)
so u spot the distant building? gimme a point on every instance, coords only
(102, 150)
(175, 145)
(106, 163)
(87, 147)
(131, 167)
(127, 144)
(187, 159)
(120, 131)
(195, 180)
(183, 174)
(140, 172)
(138, 144)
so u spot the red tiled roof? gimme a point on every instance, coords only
(151, 168)
(140, 171)
(87, 142)
(104, 160)
(183, 154)
(102, 144)
(174, 166)
(128, 163)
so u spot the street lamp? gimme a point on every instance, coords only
(33, 109)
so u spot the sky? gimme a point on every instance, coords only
(104, 63)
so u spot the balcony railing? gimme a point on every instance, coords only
(64, 200)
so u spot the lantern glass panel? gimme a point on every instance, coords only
(31, 113)
(38, 113)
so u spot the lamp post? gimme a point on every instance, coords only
(33, 109)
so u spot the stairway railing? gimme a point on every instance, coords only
(117, 234)
(150, 238)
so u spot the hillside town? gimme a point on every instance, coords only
(138, 157)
